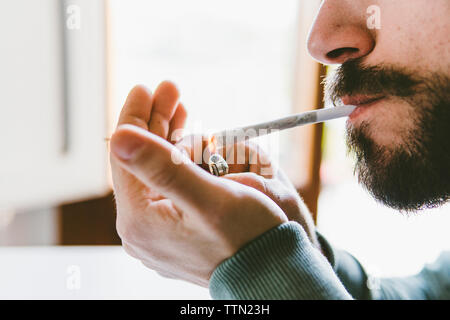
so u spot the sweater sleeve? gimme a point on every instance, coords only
(433, 282)
(348, 269)
(280, 264)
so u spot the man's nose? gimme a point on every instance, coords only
(339, 33)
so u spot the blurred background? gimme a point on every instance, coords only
(66, 68)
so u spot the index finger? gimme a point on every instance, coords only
(137, 108)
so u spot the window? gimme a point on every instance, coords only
(233, 61)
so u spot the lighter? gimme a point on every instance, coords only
(217, 165)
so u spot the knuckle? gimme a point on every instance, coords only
(260, 182)
(257, 182)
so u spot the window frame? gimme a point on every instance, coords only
(304, 168)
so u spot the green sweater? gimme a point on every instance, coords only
(282, 264)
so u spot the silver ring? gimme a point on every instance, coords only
(217, 165)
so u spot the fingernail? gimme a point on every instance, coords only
(125, 146)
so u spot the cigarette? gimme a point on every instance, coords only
(310, 117)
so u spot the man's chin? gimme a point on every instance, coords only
(398, 177)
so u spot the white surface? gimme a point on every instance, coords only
(386, 242)
(104, 273)
(34, 171)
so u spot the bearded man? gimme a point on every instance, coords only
(249, 236)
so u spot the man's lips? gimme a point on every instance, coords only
(361, 102)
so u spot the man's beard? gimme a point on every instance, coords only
(414, 174)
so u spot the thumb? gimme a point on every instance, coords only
(156, 163)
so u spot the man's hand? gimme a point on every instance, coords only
(274, 183)
(176, 218)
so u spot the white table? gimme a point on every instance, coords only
(91, 272)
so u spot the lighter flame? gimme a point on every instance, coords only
(212, 144)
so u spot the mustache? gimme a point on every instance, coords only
(354, 78)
